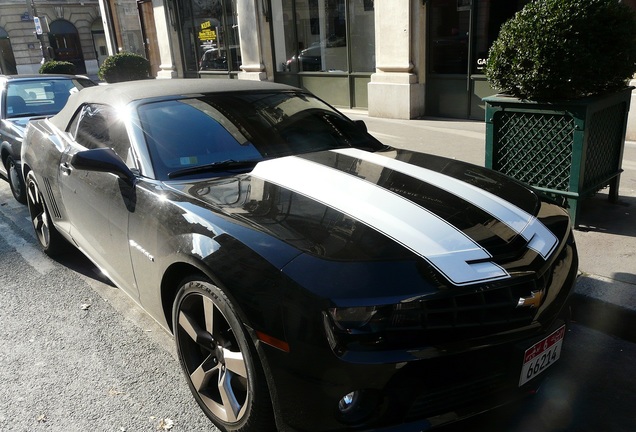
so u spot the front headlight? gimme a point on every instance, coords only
(368, 326)
(352, 318)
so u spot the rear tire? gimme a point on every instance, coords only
(16, 182)
(51, 242)
(220, 363)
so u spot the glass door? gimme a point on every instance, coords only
(459, 37)
(447, 81)
(209, 37)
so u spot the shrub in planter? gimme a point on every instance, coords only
(57, 67)
(563, 66)
(124, 67)
(564, 49)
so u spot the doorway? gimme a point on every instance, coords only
(7, 60)
(99, 41)
(459, 37)
(65, 41)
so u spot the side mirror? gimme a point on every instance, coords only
(361, 124)
(103, 160)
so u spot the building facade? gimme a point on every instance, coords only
(395, 58)
(33, 30)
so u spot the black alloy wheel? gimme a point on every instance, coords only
(50, 240)
(16, 183)
(220, 364)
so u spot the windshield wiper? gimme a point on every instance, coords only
(229, 164)
(27, 114)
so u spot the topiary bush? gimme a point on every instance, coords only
(124, 67)
(564, 49)
(57, 67)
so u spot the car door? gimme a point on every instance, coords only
(97, 203)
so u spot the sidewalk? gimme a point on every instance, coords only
(605, 294)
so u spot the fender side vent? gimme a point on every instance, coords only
(55, 211)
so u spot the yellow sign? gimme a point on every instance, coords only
(207, 35)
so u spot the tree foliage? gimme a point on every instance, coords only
(124, 67)
(564, 49)
(57, 67)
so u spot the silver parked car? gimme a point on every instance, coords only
(23, 97)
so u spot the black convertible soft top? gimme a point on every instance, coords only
(121, 94)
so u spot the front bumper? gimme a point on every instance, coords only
(407, 396)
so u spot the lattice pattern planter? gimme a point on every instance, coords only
(572, 149)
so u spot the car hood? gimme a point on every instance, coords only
(457, 223)
(17, 125)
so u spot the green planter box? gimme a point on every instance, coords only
(571, 149)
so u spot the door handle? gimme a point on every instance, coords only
(65, 168)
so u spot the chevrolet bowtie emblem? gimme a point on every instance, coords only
(533, 301)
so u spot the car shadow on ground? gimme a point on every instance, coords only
(599, 214)
(75, 260)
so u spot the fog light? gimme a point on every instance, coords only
(348, 402)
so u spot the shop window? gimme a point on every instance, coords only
(324, 35)
(362, 30)
(283, 29)
(320, 42)
(210, 35)
(128, 31)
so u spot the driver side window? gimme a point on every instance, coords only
(99, 126)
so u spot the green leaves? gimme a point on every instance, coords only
(124, 66)
(564, 49)
(57, 67)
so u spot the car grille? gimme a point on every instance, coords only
(487, 307)
(463, 315)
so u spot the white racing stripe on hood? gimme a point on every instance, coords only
(444, 246)
(539, 238)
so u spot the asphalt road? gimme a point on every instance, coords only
(76, 354)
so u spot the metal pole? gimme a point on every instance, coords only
(40, 34)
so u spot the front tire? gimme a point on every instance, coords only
(16, 182)
(220, 363)
(51, 241)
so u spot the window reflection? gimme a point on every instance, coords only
(313, 35)
(210, 35)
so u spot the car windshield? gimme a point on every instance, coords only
(217, 133)
(40, 97)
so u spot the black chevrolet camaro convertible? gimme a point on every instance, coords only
(313, 278)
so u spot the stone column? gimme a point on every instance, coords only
(250, 21)
(395, 90)
(163, 22)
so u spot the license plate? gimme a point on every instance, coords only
(541, 356)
